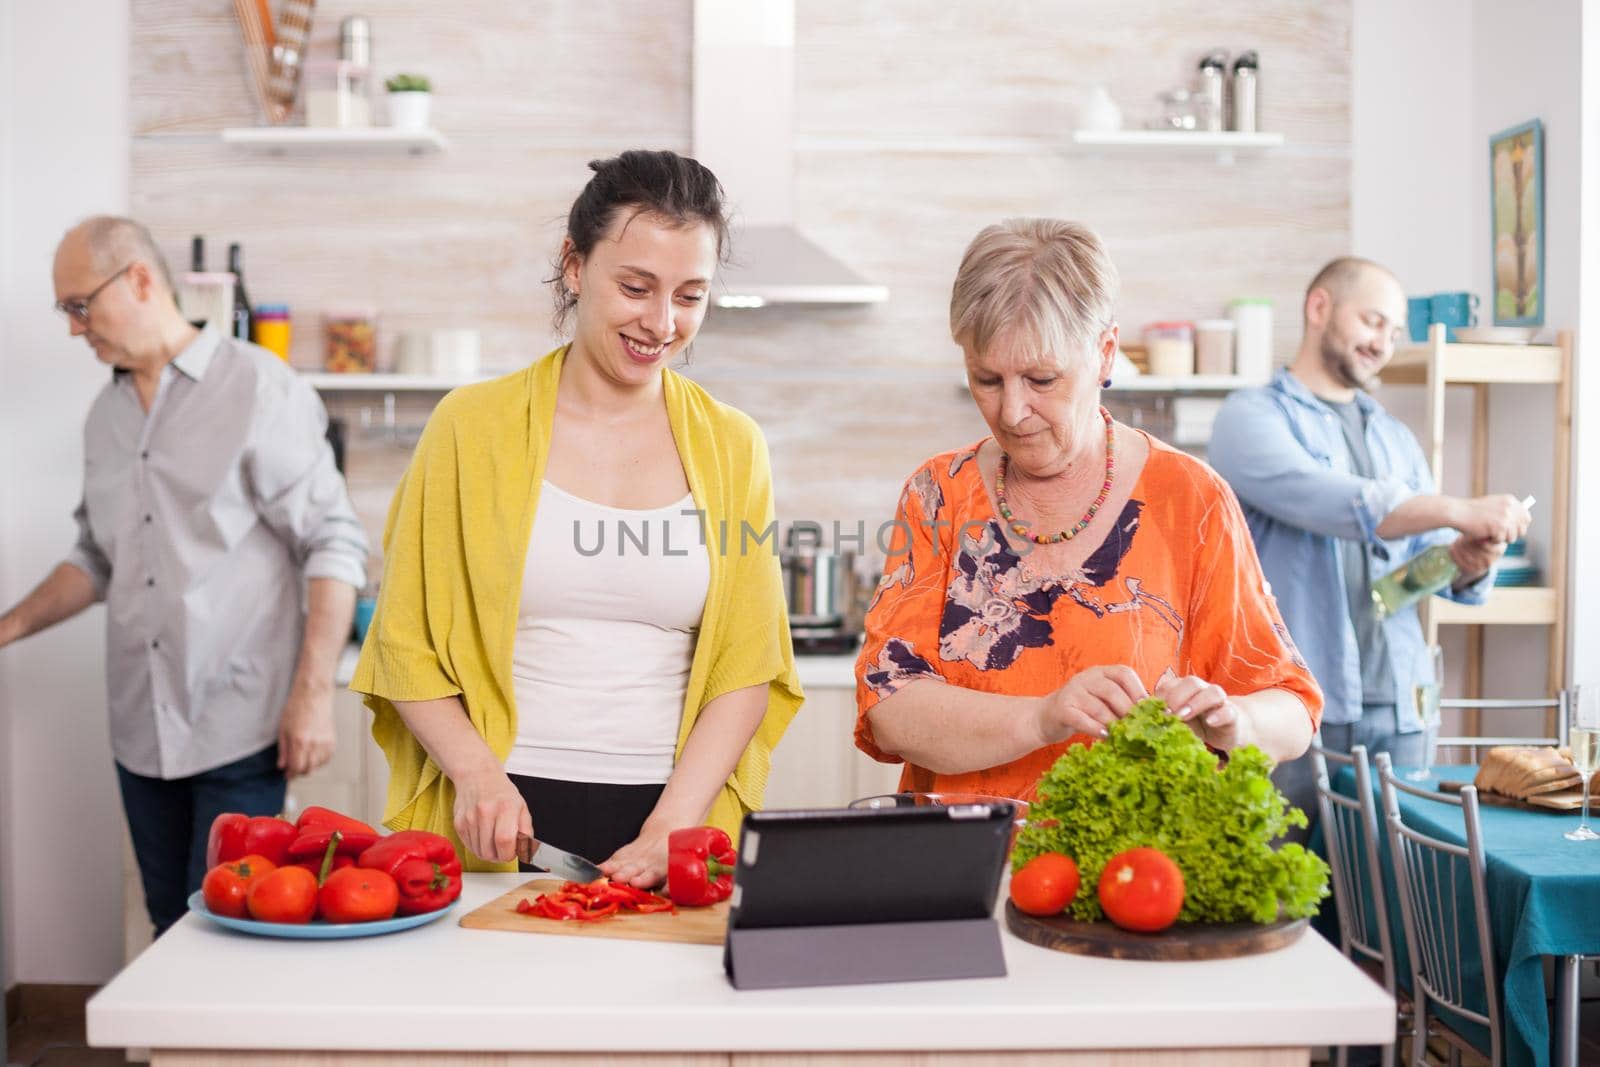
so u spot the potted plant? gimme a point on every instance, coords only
(409, 99)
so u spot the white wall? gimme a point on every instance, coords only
(63, 154)
(1584, 635)
(1432, 80)
(1409, 141)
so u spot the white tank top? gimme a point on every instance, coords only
(611, 606)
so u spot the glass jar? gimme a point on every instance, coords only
(338, 94)
(1169, 348)
(1252, 321)
(272, 329)
(1213, 346)
(351, 336)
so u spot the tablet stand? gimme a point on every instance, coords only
(789, 956)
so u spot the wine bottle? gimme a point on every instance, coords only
(197, 254)
(243, 317)
(1420, 576)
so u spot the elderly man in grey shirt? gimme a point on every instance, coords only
(211, 512)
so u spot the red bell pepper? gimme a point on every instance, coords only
(700, 863)
(425, 866)
(589, 901)
(315, 829)
(234, 836)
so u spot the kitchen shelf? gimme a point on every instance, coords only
(1464, 364)
(306, 140)
(1507, 606)
(1190, 383)
(383, 383)
(1225, 144)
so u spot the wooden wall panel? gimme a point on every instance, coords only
(917, 124)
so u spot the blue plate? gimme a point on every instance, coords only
(315, 930)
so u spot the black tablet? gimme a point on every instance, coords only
(848, 866)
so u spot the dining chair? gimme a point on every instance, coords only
(1439, 932)
(1500, 709)
(1350, 830)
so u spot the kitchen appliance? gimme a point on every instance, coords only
(1212, 80)
(555, 860)
(823, 592)
(1243, 115)
(743, 129)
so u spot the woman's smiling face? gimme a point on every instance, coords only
(641, 293)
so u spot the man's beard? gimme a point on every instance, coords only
(1340, 361)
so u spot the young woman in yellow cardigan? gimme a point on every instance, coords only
(581, 635)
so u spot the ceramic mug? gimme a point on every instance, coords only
(1455, 309)
(1419, 316)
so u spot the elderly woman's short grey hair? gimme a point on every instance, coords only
(1046, 285)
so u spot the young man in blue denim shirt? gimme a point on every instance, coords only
(1337, 494)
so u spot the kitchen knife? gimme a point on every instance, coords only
(555, 860)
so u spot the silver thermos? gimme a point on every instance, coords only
(1246, 87)
(1213, 76)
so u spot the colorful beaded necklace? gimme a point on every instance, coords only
(1077, 528)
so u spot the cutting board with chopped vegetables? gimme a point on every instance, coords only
(694, 926)
(1185, 941)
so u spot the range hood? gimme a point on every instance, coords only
(744, 131)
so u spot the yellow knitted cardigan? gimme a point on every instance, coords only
(454, 547)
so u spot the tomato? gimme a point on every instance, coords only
(1142, 889)
(1086, 740)
(226, 885)
(357, 895)
(286, 895)
(1045, 885)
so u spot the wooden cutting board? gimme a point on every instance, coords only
(694, 926)
(1187, 941)
(1562, 803)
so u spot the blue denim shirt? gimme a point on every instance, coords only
(1285, 456)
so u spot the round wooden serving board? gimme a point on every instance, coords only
(1186, 941)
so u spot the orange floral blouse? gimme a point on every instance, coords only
(1175, 584)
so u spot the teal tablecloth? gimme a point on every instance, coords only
(1544, 900)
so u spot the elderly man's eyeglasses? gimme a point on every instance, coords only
(79, 309)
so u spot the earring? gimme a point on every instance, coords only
(1106, 384)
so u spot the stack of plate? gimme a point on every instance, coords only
(1517, 569)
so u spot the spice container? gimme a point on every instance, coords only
(272, 330)
(351, 334)
(1169, 348)
(1252, 323)
(337, 94)
(1213, 346)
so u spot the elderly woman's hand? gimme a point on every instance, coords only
(1210, 713)
(1094, 699)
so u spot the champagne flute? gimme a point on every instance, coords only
(1583, 734)
(1426, 693)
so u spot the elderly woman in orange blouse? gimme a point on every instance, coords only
(1045, 579)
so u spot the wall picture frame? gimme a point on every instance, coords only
(1516, 218)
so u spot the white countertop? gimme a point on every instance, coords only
(441, 987)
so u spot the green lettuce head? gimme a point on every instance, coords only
(1153, 782)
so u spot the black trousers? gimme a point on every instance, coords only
(589, 819)
(170, 820)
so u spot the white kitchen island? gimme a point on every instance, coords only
(440, 994)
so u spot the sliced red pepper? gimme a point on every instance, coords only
(592, 901)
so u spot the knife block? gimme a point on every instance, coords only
(785, 957)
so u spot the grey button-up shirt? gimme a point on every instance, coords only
(200, 523)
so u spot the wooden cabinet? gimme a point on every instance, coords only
(817, 765)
